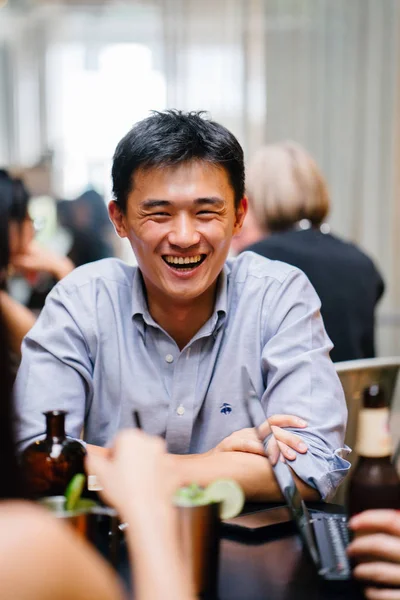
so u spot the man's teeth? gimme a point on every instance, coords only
(179, 260)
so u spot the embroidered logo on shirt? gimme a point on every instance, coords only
(226, 409)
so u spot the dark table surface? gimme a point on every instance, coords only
(271, 565)
(274, 565)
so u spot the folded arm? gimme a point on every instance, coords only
(301, 380)
(253, 472)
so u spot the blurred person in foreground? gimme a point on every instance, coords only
(173, 337)
(19, 252)
(289, 203)
(55, 561)
(376, 549)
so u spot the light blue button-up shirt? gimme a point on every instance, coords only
(96, 352)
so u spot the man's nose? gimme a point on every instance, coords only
(184, 233)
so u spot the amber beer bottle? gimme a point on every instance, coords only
(374, 482)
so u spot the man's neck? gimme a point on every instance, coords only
(182, 321)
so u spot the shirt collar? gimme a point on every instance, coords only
(139, 301)
(140, 308)
(221, 301)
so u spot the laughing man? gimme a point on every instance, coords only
(172, 337)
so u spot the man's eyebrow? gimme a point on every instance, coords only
(147, 204)
(209, 200)
(212, 201)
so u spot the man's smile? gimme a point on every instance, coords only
(186, 263)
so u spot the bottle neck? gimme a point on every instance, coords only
(55, 425)
(373, 435)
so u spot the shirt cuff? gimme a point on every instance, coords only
(321, 471)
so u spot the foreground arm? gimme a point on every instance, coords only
(378, 544)
(142, 494)
(42, 558)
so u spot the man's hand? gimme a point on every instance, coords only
(377, 549)
(247, 440)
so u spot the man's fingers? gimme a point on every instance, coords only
(287, 452)
(379, 545)
(287, 421)
(237, 444)
(378, 572)
(290, 439)
(381, 594)
(246, 445)
(386, 521)
(273, 451)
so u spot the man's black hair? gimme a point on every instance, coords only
(171, 138)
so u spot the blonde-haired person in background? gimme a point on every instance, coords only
(288, 205)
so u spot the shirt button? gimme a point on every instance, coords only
(169, 358)
(180, 410)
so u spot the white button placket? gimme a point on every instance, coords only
(180, 419)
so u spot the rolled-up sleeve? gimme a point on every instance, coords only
(55, 371)
(301, 380)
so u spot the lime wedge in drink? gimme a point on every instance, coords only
(229, 493)
(74, 491)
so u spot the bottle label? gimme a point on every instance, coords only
(373, 435)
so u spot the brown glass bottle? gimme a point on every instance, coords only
(374, 482)
(49, 464)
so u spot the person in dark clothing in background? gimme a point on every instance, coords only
(289, 202)
(87, 220)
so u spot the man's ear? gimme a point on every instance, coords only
(118, 219)
(240, 214)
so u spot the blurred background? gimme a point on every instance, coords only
(75, 76)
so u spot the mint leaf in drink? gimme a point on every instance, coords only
(227, 492)
(190, 495)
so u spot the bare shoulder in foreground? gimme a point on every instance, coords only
(42, 559)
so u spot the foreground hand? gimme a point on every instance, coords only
(378, 542)
(247, 440)
(98, 450)
(136, 473)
